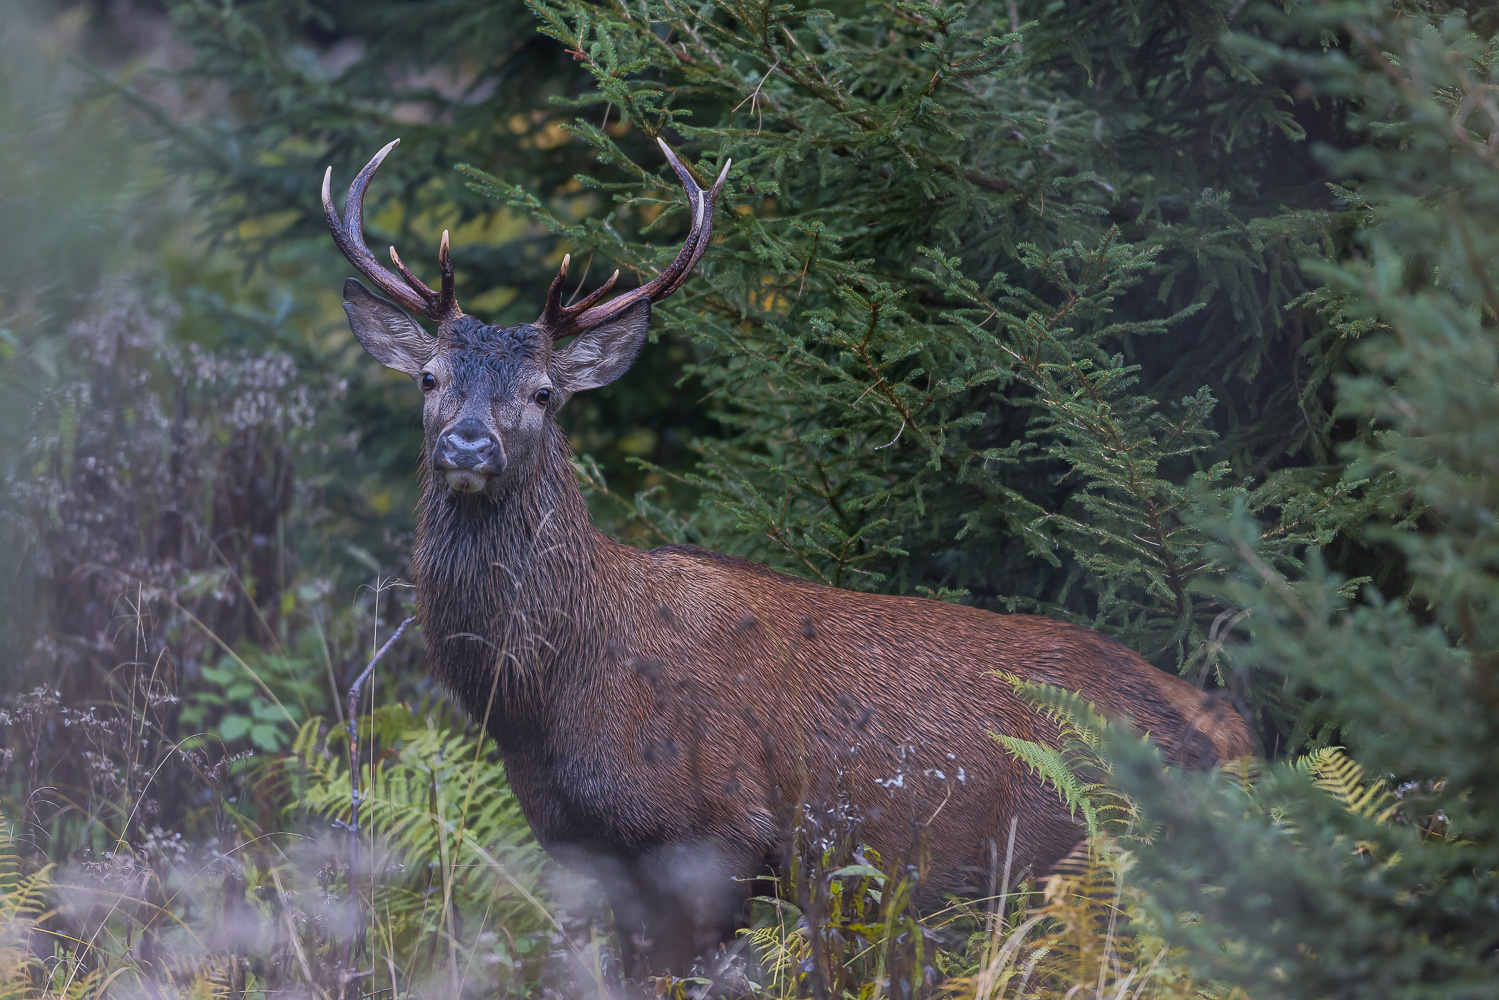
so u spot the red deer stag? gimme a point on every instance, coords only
(663, 714)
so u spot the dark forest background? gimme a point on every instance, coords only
(1175, 319)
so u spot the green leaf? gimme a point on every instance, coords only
(860, 871)
(266, 736)
(222, 675)
(232, 727)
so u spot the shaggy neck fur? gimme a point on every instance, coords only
(507, 590)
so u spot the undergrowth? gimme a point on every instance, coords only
(437, 889)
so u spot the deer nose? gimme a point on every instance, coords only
(468, 444)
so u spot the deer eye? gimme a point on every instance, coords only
(429, 381)
(542, 397)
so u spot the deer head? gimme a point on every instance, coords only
(491, 392)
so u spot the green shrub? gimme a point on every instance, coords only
(1388, 889)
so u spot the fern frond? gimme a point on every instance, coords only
(1078, 768)
(1078, 718)
(23, 907)
(443, 825)
(1051, 765)
(1246, 772)
(1339, 775)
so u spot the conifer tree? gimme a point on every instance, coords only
(1001, 283)
(1375, 874)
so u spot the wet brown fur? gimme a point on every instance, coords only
(661, 713)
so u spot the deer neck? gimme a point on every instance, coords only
(508, 589)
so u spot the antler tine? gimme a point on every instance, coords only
(348, 232)
(447, 299)
(444, 303)
(564, 321)
(555, 315)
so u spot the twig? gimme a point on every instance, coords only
(356, 946)
(894, 439)
(810, 254)
(351, 720)
(754, 97)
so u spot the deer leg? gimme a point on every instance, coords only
(683, 901)
(656, 936)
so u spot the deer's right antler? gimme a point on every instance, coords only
(348, 232)
(564, 321)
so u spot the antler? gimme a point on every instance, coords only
(348, 232)
(564, 321)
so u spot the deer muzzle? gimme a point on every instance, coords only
(467, 455)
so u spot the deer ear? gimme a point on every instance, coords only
(601, 354)
(391, 336)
